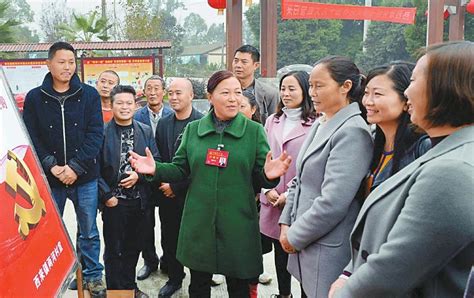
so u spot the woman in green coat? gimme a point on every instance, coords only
(226, 156)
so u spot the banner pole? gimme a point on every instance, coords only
(80, 288)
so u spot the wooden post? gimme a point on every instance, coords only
(80, 288)
(435, 22)
(268, 38)
(161, 61)
(456, 22)
(234, 29)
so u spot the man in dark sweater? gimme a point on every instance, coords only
(168, 138)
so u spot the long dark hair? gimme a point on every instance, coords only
(308, 113)
(399, 72)
(341, 69)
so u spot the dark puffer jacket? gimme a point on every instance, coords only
(65, 128)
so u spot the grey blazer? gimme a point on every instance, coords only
(414, 236)
(267, 98)
(321, 207)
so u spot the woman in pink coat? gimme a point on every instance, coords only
(286, 130)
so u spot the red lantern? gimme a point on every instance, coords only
(470, 7)
(445, 15)
(220, 5)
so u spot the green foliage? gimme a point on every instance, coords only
(415, 35)
(252, 18)
(154, 20)
(385, 42)
(469, 27)
(197, 32)
(24, 35)
(174, 32)
(191, 69)
(168, 6)
(20, 11)
(350, 42)
(305, 41)
(215, 34)
(195, 29)
(87, 28)
(141, 22)
(300, 41)
(199, 88)
(6, 27)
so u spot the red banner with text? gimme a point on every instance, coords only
(36, 252)
(292, 10)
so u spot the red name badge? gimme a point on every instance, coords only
(217, 158)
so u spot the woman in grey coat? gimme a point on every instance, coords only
(321, 206)
(414, 236)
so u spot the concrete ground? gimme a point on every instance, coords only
(152, 285)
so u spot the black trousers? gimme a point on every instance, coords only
(171, 211)
(148, 239)
(200, 286)
(283, 276)
(122, 226)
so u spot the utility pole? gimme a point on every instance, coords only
(366, 26)
(104, 10)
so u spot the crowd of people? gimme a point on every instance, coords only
(362, 185)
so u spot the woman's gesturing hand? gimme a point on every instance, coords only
(275, 168)
(143, 164)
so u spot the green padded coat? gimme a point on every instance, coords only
(219, 230)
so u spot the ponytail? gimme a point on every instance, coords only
(342, 69)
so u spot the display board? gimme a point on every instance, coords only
(131, 70)
(37, 256)
(24, 74)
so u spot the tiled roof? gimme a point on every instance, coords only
(106, 45)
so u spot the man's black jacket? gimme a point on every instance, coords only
(110, 159)
(65, 128)
(167, 147)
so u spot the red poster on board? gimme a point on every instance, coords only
(132, 70)
(314, 10)
(36, 253)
